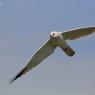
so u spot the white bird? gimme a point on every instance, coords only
(57, 39)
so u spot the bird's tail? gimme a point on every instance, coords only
(67, 49)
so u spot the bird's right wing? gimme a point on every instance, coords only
(77, 33)
(37, 58)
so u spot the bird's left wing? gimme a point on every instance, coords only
(38, 57)
(77, 33)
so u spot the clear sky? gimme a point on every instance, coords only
(24, 26)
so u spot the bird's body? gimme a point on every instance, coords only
(57, 39)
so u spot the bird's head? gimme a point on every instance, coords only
(55, 35)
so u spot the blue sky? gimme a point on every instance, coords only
(24, 26)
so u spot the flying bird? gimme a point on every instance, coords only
(57, 39)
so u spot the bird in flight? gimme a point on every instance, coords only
(57, 39)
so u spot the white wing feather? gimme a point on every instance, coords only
(37, 58)
(77, 33)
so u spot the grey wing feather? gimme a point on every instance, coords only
(77, 33)
(37, 58)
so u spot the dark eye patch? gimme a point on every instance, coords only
(53, 34)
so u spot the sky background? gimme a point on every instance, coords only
(24, 26)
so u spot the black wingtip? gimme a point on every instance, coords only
(17, 76)
(12, 80)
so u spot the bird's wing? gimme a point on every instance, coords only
(77, 33)
(38, 57)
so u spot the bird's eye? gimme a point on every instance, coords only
(53, 34)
